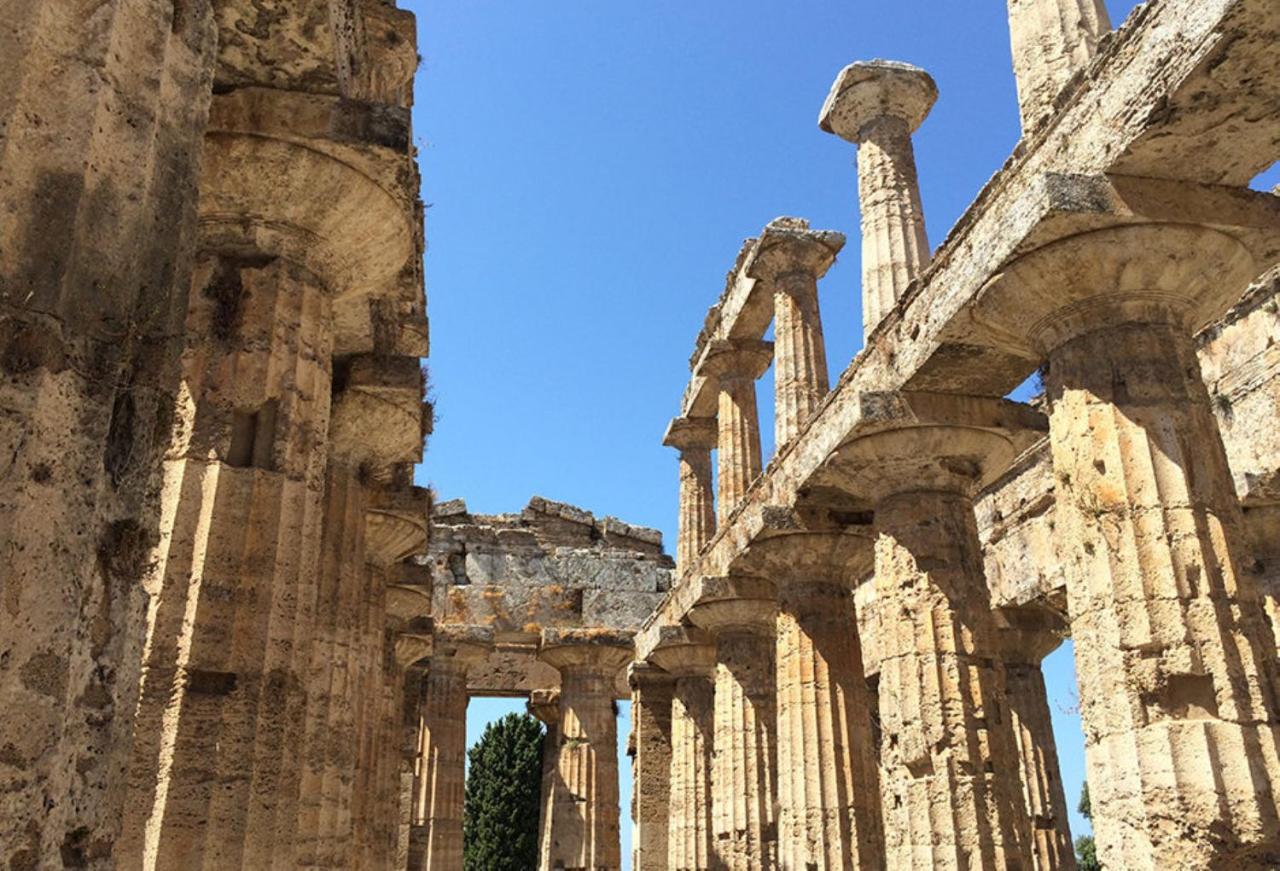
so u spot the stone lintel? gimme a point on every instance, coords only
(606, 649)
(690, 433)
(868, 90)
(788, 246)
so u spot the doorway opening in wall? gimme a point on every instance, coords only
(1059, 669)
(484, 712)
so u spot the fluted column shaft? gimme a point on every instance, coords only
(800, 355)
(584, 824)
(1052, 41)
(444, 749)
(744, 766)
(828, 785)
(102, 110)
(738, 455)
(951, 797)
(692, 741)
(545, 705)
(1038, 757)
(895, 247)
(227, 656)
(651, 722)
(694, 438)
(1176, 664)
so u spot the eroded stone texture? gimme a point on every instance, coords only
(736, 366)
(878, 105)
(102, 111)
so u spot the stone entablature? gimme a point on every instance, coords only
(551, 566)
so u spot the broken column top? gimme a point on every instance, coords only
(867, 90)
(687, 433)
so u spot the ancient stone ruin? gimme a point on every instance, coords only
(234, 634)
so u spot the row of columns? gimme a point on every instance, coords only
(579, 825)
(945, 758)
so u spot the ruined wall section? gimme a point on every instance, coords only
(551, 566)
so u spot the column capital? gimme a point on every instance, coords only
(807, 556)
(545, 705)
(789, 247)
(644, 675)
(735, 604)
(868, 91)
(461, 646)
(685, 652)
(586, 649)
(691, 433)
(737, 358)
(913, 442)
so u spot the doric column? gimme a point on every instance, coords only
(744, 768)
(736, 364)
(1176, 664)
(789, 260)
(951, 793)
(545, 705)
(690, 657)
(828, 786)
(102, 111)
(878, 105)
(1052, 41)
(584, 807)
(651, 689)
(443, 750)
(694, 437)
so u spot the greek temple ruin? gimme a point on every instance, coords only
(234, 634)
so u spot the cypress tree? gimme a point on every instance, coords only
(500, 823)
(1086, 849)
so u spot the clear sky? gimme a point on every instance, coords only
(591, 169)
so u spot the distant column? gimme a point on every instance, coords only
(1052, 41)
(789, 260)
(694, 437)
(651, 689)
(878, 105)
(736, 364)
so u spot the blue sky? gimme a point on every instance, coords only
(591, 169)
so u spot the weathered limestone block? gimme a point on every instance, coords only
(694, 437)
(736, 365)
(690, 658)
(740, 614)
(878, 105)
(1176, 662)
(828, 786)
(584, 833)
(949, 802)
(789, 259)
(1053, 41)
(102, 111)
(651, 690)
(437, 846)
